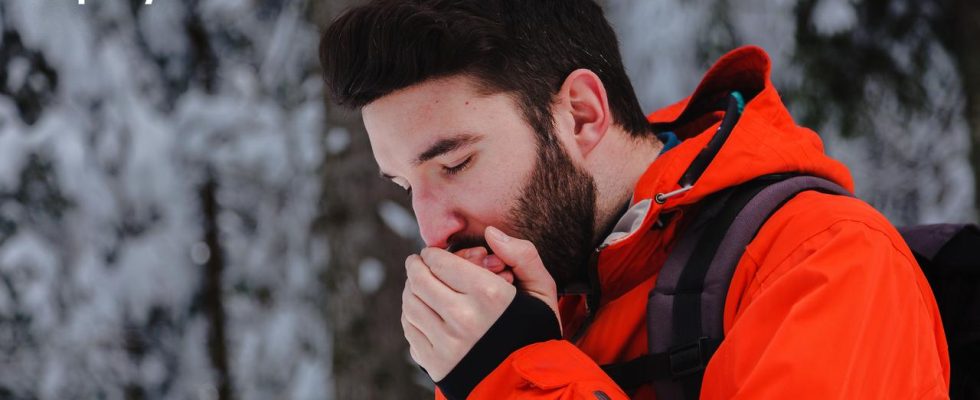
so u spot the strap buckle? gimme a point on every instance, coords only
(690, 358)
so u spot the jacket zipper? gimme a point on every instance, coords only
(592, 296)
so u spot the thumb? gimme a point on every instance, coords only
(530, 275)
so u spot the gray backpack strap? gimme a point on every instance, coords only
(685, 308)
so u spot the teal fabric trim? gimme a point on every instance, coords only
(669, 140)
(741, 101)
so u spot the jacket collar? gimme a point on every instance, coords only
(766, 140)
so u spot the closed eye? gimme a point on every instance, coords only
(453, 170)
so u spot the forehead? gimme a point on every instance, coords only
(408, 120)
(422, 100)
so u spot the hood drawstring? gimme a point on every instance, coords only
(736, 104)
(661, 198)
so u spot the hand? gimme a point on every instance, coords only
(449, 302)
(530, 275)
(447, 305)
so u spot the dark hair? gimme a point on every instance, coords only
(524, 47)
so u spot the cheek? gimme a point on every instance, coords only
(488, 198)
(494, 192)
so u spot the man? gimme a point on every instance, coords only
(533, 171)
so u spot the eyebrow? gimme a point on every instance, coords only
(446, 145)
(442, 146)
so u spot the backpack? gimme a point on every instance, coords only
(688, 299)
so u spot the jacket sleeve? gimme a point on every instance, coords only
(555, 369)
(520, 356)
(844, 312)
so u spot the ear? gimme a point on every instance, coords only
(585, 99)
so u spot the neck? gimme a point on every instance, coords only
(620, 163)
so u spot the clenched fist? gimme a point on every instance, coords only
(451, 300)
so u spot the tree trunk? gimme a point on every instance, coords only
(212, 295)
(370, 353)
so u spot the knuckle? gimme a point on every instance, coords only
(406, 296)
(427, 253)
(410, 260)
(429, 258)
(411, 266)
(466, 317)
(527, 251)
(489, 292)
(493, 293)
(527, 245)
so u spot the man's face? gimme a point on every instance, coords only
(471, 161)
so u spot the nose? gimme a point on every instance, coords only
(438, 217)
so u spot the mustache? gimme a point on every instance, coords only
(460, 242)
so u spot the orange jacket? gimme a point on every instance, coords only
(826, 302)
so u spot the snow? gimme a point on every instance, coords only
(370, 275)
(200, 253)
(17, 72)
(659, 69)
(156, 22)
(12, 144)
(913, 168)
(337, 140)
(309, 383)
(398, 219)
(29, 264)
(109, 278)
(102, 260)
(834, 16)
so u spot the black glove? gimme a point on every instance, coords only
(526, 320)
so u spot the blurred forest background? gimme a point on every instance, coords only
(182, 216)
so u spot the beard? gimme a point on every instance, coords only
(555, 210)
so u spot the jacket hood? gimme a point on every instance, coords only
(764, 141)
